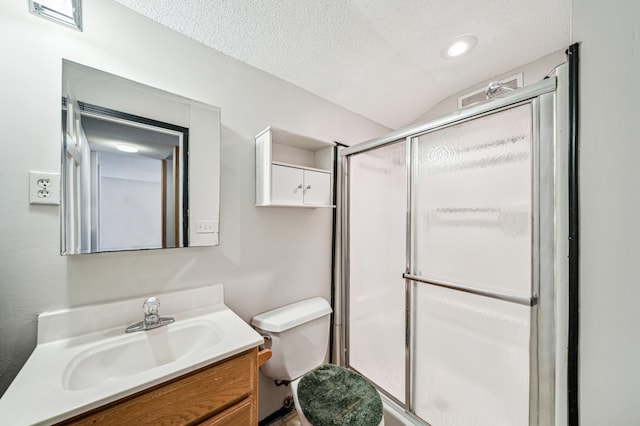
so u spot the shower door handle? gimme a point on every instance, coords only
(527, 301)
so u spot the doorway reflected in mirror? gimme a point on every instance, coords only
(138, 181)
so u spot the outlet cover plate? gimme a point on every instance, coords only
(44, 188)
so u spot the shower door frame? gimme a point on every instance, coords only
(549, 120)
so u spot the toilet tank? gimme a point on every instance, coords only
(299, 335)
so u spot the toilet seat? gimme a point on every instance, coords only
(354, 398)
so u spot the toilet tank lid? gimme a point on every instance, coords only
(289, 316)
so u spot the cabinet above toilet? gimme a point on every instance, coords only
(293, 170)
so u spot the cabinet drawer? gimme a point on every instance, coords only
(184, 400)
(239, 414)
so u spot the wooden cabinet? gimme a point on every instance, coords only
(224, 393)
(293, 170)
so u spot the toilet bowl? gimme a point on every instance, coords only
(298, 336)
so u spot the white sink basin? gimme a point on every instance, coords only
(138, 352)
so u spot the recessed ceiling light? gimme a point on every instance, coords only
(126, 148)
(459, 46)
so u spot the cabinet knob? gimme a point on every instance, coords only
(308, 186)
(300, 186)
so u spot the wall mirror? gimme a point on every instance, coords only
(140, 166)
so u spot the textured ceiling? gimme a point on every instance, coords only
(378, 58)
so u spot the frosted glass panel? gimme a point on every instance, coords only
(473, 203)
(471, 362)
(377, 211)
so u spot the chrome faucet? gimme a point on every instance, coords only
(151, 317)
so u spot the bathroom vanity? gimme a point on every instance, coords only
(200, 369)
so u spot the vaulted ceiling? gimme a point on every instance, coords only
(380, 59)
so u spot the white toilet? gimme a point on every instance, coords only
(299, 337)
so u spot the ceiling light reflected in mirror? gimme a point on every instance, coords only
(126, 148)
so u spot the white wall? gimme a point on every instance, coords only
(267, 256)
(609, 37)
(129, 198)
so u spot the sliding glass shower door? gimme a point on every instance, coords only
(443, 270)
(472, 270)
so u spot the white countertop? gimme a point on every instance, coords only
(39, 395)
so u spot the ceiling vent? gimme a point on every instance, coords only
(480, 95)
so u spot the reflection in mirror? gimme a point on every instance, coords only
(138, 183)
(125, 176)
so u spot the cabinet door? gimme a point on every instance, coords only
(317, 188)
(286, 185)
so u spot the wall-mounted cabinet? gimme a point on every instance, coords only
(293, 170)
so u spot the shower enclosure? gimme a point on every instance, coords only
(454, 242)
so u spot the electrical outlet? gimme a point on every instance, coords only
(44, 188)
(206, 227)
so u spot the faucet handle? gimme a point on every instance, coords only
(151, 306)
